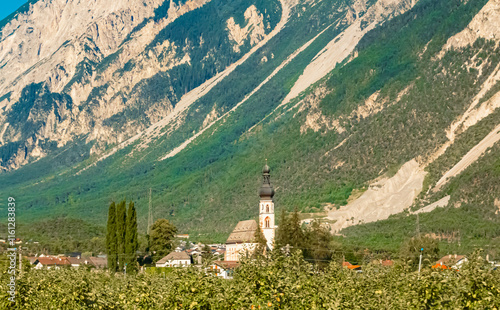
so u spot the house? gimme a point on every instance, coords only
(175, 259)
(51, 262)
(220, 252)
(76, 261)
(98, 262)
(193, 252)
(31, 259)
(223, 269)
(450, 262)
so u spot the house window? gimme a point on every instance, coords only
(267, 208)
(267, 222)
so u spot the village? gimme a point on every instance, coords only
(219, 259)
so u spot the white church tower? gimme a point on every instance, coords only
(266, 207)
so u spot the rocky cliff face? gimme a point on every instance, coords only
(47, 43)
(42, 51)
(106, 57)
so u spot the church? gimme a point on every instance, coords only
(241, 240)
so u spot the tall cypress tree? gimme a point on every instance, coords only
(121, 229)
(131, 240)
(111, 242)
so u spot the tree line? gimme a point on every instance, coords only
(318, 246)
(314, 241)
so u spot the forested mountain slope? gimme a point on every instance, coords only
(374, 108)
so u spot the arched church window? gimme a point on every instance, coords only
(268, 222)
(267, 208)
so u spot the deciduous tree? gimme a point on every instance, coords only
(162, 238)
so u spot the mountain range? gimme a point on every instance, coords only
(379, 117)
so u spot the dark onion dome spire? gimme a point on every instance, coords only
(266, 190)
(266, 169)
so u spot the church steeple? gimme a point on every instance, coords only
(266, 191)
(266, 206)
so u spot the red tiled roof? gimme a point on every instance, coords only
(52, 261)
(350, 266)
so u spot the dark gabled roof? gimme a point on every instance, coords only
(75, 260)
(224, 264)
(98, 262)
(244, 232)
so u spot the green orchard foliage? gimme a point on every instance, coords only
(276, 282)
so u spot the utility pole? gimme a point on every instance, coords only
(420, 262)
(150, 214)
(418, 226)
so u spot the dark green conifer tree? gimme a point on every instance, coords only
(111, 241)
(290, 232)
(283, 231)
(121, 229)
(131, 240)
(297, 237)
(261, 246)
